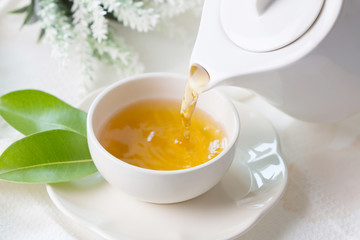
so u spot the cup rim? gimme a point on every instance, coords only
(117, 161)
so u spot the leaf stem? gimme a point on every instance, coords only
(44, 164)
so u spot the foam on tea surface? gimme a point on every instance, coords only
(150, 134)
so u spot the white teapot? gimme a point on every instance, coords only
(303, 56)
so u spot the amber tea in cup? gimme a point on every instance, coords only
(150, 134)
(161, 186)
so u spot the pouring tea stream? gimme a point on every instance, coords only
(302, 56)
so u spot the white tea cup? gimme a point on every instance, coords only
(159, 186)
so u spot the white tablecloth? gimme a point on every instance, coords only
(322, 199)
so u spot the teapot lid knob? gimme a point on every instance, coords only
(267, 25)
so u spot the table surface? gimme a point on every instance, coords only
(322, 199)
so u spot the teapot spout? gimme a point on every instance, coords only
(220, 57)
(213, 51)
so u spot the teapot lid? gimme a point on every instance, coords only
(267, 25)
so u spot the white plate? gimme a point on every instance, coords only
(252, 186)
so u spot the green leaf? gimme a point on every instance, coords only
(20, 10)
(47, 157)
(41, 35)
(31, 16)
(32, 111)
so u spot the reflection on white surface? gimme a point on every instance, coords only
(265, 152)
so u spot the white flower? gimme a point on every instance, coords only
(133, 14)
(89, 13)
(58, 28)
(115, 52)
(85, 30)
(172, 8)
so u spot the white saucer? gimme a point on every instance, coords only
(253, 185)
